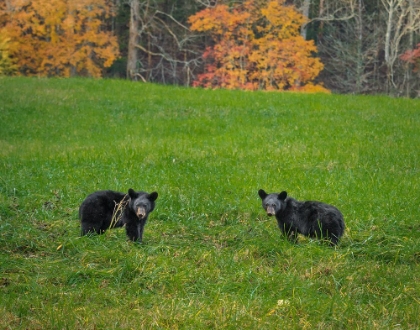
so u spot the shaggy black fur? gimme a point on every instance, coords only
(310, 218)
(107, 209)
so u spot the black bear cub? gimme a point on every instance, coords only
(107, 209)
(310, 218)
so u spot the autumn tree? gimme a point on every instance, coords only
(60, 37)
(412, 56)
(7, 64)
(257, 45)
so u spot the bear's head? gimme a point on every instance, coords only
(141, 203)
(272, 203)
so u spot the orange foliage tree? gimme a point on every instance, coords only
(59, 37)
(257, 45)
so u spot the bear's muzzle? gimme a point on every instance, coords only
(141, 212)
(270, 211)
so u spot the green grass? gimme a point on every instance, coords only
(211, 259)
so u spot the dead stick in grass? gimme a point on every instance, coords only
(118, 211)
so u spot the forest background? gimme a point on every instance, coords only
(343, 46)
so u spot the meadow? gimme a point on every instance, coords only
(211, 258)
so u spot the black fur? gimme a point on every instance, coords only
(107, 209)
(310, 218)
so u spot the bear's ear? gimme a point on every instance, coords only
(152, 196)
(282, 196)
(132, 193)
(262, 194)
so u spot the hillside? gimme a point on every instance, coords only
(210, 258)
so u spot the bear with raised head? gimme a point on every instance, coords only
(309, 218)
(108, 209)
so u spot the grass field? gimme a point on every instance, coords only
(211, 258)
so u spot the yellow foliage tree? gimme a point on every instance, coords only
(7, 65)
(59, 37)
(257, 45)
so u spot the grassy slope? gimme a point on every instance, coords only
(211, 258)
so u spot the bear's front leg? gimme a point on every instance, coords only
(140, 228)
(134, 232)
(287, 231)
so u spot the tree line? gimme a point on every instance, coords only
(344, 46)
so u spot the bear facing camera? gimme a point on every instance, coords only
(309, 218)
(107, 209)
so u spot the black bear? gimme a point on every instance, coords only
(310, 218)
(107, 209)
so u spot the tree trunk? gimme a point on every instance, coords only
(132, 56)
(387, 45)
(305, 12)
(360, 61)
(409, 67)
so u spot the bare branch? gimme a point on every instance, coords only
(333, 11)
(173, 19)
(402, 18)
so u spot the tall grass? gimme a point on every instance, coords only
(210, 257)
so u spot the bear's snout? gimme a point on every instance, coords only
(141, 212)
(270, 211)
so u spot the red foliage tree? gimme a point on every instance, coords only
(257, 45)
(413, 57)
